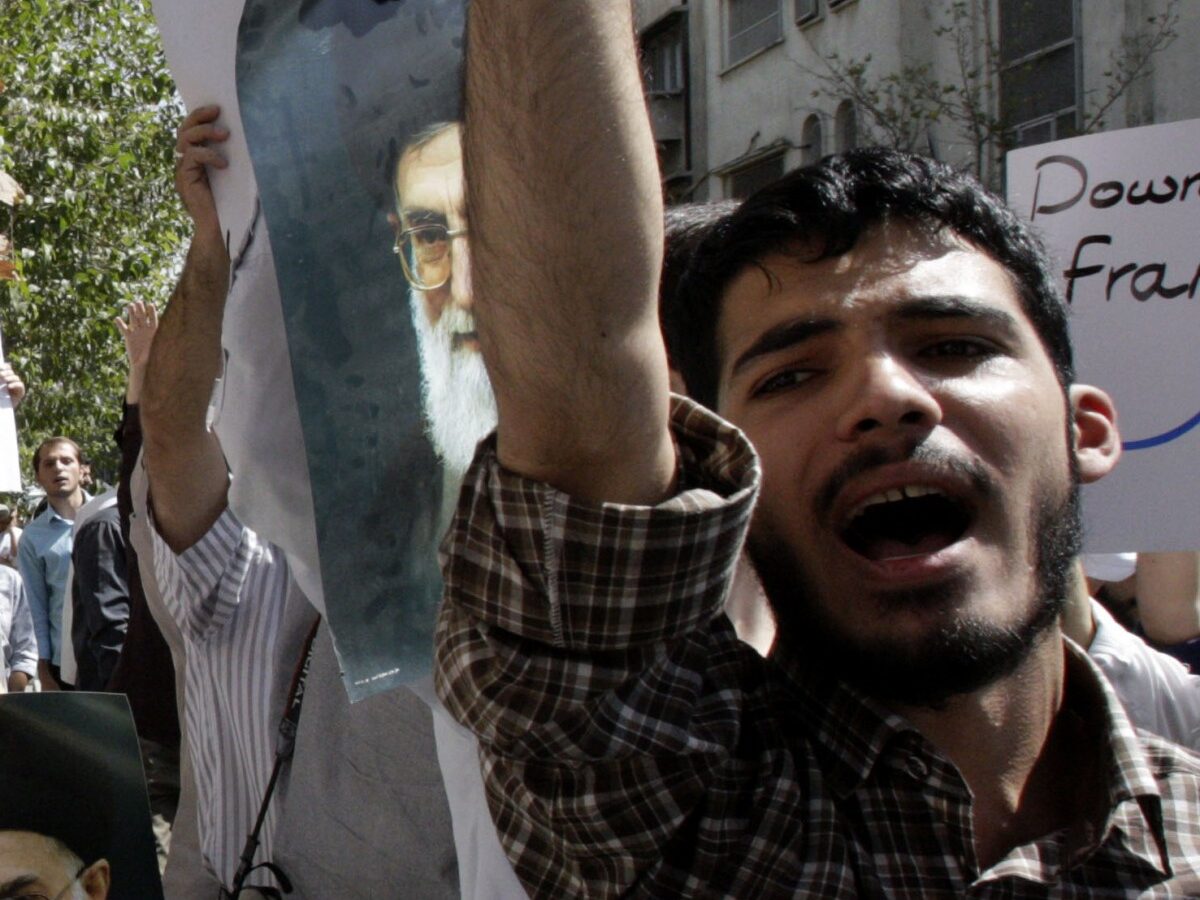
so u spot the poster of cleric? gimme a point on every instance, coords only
(364, 207)
(74, 814)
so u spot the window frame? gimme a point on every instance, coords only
(776, 154)
(675, 28)
(1015, 129)
(807, 18)
(729, 62)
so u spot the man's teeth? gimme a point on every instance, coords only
(894, 495)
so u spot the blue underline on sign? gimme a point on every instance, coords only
(1165, 438)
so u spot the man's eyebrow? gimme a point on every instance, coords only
(949, 306)
(782, 336)
(9, 888)
(415, 216)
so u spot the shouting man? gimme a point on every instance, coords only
(889, 338)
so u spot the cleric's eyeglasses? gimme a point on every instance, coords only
(58, 896)
(424, 252)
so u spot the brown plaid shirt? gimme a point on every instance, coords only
(632, 745)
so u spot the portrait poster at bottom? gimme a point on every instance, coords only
(71, 772)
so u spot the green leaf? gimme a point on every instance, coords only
(87, 122)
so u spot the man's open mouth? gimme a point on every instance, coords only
(913, 520)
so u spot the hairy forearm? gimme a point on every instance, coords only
(186, 468)
(566, 220)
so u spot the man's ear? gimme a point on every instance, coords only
(96, 879)
(394, 221)
(1097, 443)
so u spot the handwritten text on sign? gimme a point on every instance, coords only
(1120, 214)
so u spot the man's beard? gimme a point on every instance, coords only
(460, 408)
(960, 656)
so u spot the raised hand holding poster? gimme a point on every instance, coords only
(349, 113)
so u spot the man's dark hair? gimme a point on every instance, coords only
(821, 211)
(685, 227)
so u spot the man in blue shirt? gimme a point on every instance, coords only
(44, 556)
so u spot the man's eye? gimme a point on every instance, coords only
(959, 347)
(429, 236)
(782, 381)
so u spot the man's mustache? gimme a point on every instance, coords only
(927, 455)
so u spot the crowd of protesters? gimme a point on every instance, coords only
(690, 745)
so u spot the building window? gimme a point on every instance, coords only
(807, 11)
(743, 182)
(663, 60)
(751, 26)
(812, 141)
(1038, 66)
(834, 4)
(845, 126)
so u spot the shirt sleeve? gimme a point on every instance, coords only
(33, 573)
(227, 593)
(103, 595)
(128, 437)
(202, 587)
(1157, 691)
(22, 639)
(577, 633)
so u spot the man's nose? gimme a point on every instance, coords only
(884, 393)
(460, 273)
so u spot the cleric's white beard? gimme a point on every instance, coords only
(460, 409)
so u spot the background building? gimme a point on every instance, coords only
(742, 90)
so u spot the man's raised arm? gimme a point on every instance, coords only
(566, 240)
(188, 478)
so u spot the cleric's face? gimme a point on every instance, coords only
(432, 238)
(33, 864)
(432, 243)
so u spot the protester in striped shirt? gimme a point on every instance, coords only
(18, 644)
(242, 617)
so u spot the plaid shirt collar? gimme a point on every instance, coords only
(854, 734)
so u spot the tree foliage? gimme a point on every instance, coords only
(87, 118)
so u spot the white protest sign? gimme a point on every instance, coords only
(1120, 213)
(10, 465)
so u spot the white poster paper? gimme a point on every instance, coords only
(10, 464)
(255, 402)
(1120, 213)
(200, 43)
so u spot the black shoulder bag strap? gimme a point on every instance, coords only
(284, 748)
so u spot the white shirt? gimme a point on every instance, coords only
(8, 545)
(1157, 690)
